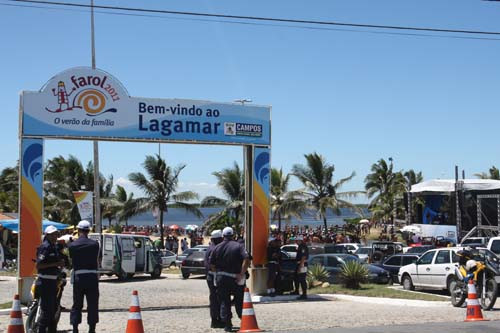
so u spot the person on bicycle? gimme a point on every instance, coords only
(48, 264)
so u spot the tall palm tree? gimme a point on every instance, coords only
(320, 193)
(128, 205)
(412, 178)
(160, 188)
(284, 204)
(384, 185)
(493, 173)
(232, 183)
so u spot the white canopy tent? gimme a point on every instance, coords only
(448, 185)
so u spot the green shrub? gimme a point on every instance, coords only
(353, 274)
(317, 274)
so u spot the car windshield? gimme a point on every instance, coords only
(418, 249)
(364, 250)
(188, 252)
(472, 241)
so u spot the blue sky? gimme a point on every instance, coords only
(353, 96)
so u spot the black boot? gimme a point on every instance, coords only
(217, 324)
(92, 328)
(75, 328)
(228, 327)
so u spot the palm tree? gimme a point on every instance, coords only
(320, 193)
(494, 173)
(412, 178)
(284, 204)
(232, 183)
(160, 189)
(128, 205)
(9, 189)
(384, 185)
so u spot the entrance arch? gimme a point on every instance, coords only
(82, 103)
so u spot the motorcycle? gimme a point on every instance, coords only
(483, 274)
(34, 309)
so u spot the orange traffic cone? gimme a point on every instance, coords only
(473, 307)
(16, 317)
(248, 320)
(134, 323)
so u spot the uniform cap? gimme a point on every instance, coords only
(83, 225)
(50, 230)
(227, 231)
(216, 234)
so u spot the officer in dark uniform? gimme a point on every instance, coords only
(301, 270)
(273, 261)
(216, 238)
(48, 263)
(230, 260)
(84, 253)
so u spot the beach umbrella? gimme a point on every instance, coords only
(191, 227)
(174, 227)
(364, 221)
(273, 226)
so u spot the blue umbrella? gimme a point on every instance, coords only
(14, 224)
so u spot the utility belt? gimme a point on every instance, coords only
(240, 282)
(47, 276)
(81, 271)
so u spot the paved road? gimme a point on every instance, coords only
(171, 304)
(477, 327)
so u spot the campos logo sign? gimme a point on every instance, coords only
(91, 94)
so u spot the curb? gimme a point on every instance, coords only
(6, 312)
(292, 298)
(392, 301)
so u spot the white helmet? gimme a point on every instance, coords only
(50, 230)
(227, 231)
(470, 264)
(216, 234)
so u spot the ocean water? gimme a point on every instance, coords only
(181, 218)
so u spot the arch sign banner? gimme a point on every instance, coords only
(89, 103)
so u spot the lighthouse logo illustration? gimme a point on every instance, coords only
(83, 96)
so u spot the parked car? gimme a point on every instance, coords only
(168, 258)
(383, 250)
(435, 269)
(183, 255)
(194, 264)
(334, 248)
(351, 247)
(333, 264)
(475, 242)
(494, 245)
(395, 262)
(420, 249)
(290, 250)
(364, 253)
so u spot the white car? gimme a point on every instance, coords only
(291, 250)
(168, 258)
(351, 247)
(364, 253)
(435, 269)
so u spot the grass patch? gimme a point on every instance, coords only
(7, 305)
(171, 270)
(375, 290)
(8, 273)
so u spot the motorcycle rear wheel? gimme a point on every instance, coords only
(488, 301)
(31, 322)
(457, 293)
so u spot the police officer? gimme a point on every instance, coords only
(48, 263)
(273, 260)
(84, 253)
(301, 270)
(216, 238)
(230, 260)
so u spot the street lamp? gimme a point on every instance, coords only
(243, 101)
